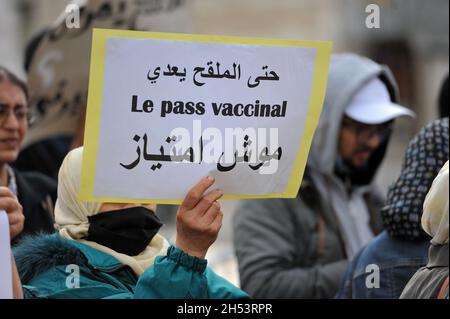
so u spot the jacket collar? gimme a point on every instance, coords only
(438, 256)
(96, 258)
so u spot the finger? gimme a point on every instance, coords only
(15, 229)
(15, 218)
(195, 193)
(217, 223)
(6, 192)
(207, 201)
(211, 214)
(9, 204)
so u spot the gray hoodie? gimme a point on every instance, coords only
(297, 248)
(347, 75)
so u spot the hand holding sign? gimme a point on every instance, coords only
(5, 258)
(199, 219)
(9, 203)
(11, 224)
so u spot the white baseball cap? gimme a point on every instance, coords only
(372, 105)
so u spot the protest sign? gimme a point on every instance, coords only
(6, 290)
(166, 109)
(58, 71)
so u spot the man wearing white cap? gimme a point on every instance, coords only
(298, 248)
(367, 122)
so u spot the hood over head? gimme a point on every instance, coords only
(348, 74)
(71, 215)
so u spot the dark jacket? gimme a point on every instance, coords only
(51, 267)
(291, 248)
(45, 156)
(427, 281)
(37, 195)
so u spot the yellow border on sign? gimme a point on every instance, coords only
(95, 96)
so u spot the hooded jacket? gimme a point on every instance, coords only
(297, 248)
(52, 267)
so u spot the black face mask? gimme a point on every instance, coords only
(127, 231)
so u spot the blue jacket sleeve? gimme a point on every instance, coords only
(347, 280)
(181, 276)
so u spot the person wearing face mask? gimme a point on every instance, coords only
(115, 251)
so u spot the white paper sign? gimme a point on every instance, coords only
(6, 289)
(174, 108)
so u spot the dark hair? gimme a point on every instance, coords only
(6, 75)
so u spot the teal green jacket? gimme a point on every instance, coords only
(53, 267)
